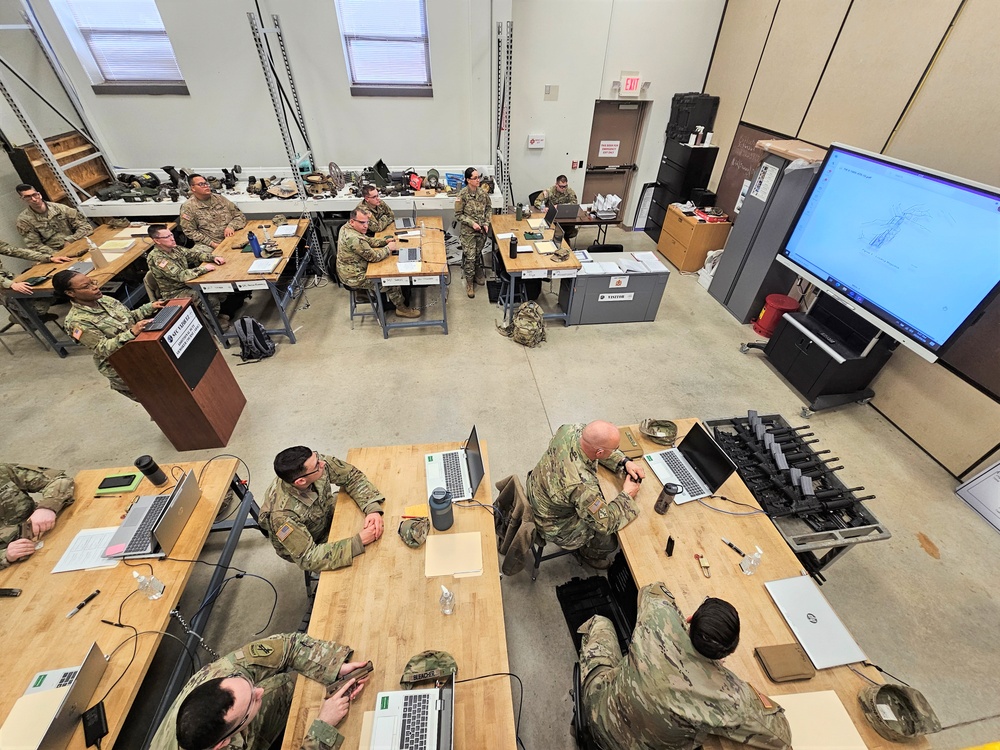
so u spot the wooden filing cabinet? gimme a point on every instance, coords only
(686, 242)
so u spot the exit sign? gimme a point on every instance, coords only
(631, 83)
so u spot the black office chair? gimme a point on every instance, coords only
(520, 294)
(595, 248)
(331, 228)
(533, 197)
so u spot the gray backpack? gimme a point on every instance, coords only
(527, 327)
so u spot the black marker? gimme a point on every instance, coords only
(82, 604)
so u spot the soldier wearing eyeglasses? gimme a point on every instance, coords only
(243, 699)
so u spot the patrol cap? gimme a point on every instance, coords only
(279, 219)
(661, 431)
(428, 665)
(413, 531)
(898, 713)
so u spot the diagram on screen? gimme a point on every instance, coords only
(887, 229)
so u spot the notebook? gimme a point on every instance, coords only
(47, 714)
(698, 465)
(154, 522)
(264, 265)
(816, 626)
(286, 230)
(458, 471)
(423, 719)
(819, 721)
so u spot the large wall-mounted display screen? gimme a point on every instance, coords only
(914, 251)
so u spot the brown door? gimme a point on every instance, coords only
(614, 144)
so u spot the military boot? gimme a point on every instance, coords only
(481, 277)
(407, 312)
(470, 288)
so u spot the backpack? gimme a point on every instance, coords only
(255, 343)
(527, 327)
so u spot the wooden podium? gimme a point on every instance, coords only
(181, 378)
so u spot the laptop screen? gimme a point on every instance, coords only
(557, 235)
(474, 459)
(707, 458)
(550, 215)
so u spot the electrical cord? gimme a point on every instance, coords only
(195, 663)
(753, 511)
(520, 700)
(246, 484)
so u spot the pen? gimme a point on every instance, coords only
(82, 604)
(733, 547)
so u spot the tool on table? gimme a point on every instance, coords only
(703, 562)
(670, 546)
(83, 604)
(733, 547)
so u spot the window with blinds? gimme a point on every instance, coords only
(128, 44)
(385, 43)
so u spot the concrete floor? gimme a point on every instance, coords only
(919, 604)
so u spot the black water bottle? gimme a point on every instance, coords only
(442, 515)
(151, 469)
(513, 246)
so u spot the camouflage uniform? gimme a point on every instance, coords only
(567, 501)
(16, 505)
(104, 330)
(379, 217)
(172, 269)
(7, 278)
(35, 256)
(664, 694)
(297, 521)
(472, 208)
(354, 252)
(555, 198)
(270, 663)
(50, 231)
(205, 221)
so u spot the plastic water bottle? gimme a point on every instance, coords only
(750, 563)
(91, 245)
(150, 585)
(447, 601)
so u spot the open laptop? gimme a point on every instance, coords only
(409, 254)
(155, 522)
(698, 465)
(408, 222)
(458, 471)
(816, 626)
(83, 266)
(418, 719)
(46, 715)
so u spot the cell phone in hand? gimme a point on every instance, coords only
(356, 674)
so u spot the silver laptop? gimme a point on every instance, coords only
(816, 626)
(408, 222)
(698, 465)
(155, 522)
(84, 267)
(409, 255)
(47, 714)
(415, 719)
(459, 471)
(567, 211)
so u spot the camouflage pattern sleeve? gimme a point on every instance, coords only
(188, 224)
(613, 461)
(26, 253)
(757, 725)
(57, 492)
(32, 238)
(460, 202)
(79, 223)
(542, 198)
(93, 338)
(606, 516)
(239, 219)
(292, 540)
(353, 481)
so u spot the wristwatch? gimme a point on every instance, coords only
(621, 466)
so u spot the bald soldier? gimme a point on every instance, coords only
(672, 692)
(298, 509)
(569, 507)
(243, 699)
(23, 518)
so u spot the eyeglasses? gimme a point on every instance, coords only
(199, 184)
(475, 177)
(86, 285)
(167, 236)
(31, 196)
(363, 222)
(562, 185)
(320, 464)
(246, 717)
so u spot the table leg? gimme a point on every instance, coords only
(287, 330)
(36, 326)
(444, 305)
(380, 308)
(213, 323)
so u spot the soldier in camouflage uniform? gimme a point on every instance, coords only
(172, 266)
(48, 227)
(102, 324)
(256, 683)
(7, 279)
(473, 211)
(298, 509)
(671, 692)
(557, 195)
(21, 517)
(355, 251)
(565, 496)
(207, 218)
(380, 215)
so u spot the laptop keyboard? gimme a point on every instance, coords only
(162, 319)
(414, 734)
(453, 474)
(67, 677)
(691, 484)
(140, 538)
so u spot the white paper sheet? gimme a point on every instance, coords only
(86, 550)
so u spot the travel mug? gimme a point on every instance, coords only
(442, 515)
(513, 247)
(666, 497)
(151, 469)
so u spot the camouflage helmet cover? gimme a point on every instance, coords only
(428, 665)
(898, 713)
(413, 531)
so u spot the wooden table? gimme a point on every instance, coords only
(387, 611)
(235, 276)
(697, 530)
(45, 639)
(100, 276)
(531, 265)
(433, 270)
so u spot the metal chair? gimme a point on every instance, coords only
(364, 297)
(537, 548)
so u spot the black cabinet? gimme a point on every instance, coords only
(830, 355)
(682, 169)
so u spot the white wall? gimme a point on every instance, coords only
(582, 47)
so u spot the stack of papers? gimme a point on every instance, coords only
(545, 247)
(609, 267)
(583, 256)
(537, 224)
(112, 247)
(606, 203)
(631, 265)
(403, 267)
(592, 269)
(650, 261)
(264, 265)
(459, 555)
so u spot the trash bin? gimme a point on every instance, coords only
(775, 305)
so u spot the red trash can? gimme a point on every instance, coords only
(775, 305)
